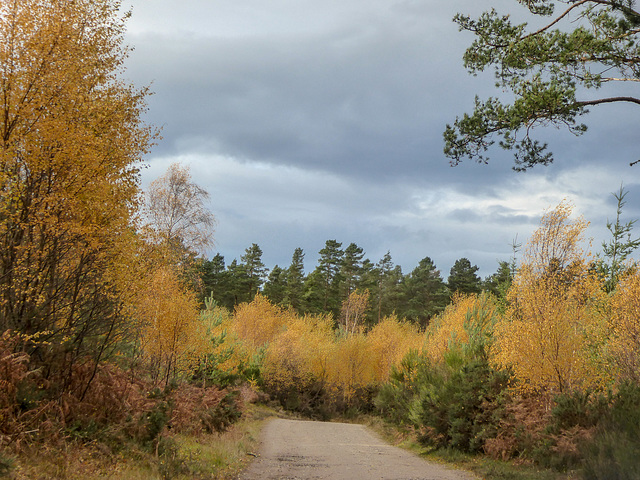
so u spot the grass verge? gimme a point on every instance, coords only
(484, 467)
(176, 457)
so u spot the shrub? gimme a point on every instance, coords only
(219, 417)
(464, 410)
(451, 393)
(520, 428)
(155, 420)
(613, 451)
(577, 409)
(13, 379)
(396, 396)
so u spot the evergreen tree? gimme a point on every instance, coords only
(424, 293)
(313, 298)
(463, 278)
(275, 286)
(255, 270)
(329, 274)
(351, 269)
(368, 276)
(368, 282)
(619, 248)
(294, 278)
(499, 282)
(215, 281)
(588, 44)
(388, 279)
(237, 281)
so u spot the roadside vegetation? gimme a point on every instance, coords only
(125, 353)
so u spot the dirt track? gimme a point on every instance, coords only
(293, 449)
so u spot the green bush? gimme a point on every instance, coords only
(457, 402)
(614, 451)
(464, 410)
(225, 413)
(454, 404)
(155, 421)
(577, 409)
(170, 462)
(573, 418)
(395, 398)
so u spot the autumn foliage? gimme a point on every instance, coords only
(549, 374)
(71, 144)
(555, 304)
(99, 332)
(171, 336)
(623, 353)
(103, 333)
(306, 362)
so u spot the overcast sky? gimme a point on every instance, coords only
(315, 120)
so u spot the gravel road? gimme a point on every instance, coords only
(294, 449)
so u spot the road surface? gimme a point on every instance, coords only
(303, 450)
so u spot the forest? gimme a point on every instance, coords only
(118, 337)
(416, 296)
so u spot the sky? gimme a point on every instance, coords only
(315, 120)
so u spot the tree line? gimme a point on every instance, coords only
(416, 296)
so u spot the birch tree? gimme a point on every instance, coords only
(71, 144)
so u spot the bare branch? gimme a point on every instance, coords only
(608, 100)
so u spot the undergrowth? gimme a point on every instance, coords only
(176, 456)
(483, 466)
(117, 423)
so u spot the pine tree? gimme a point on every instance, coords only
(619, 248)
(587, 45)
(387, 282)
(329, 273)
(275, 286)
(294, 290)
(218, 282)
(237, 284)
(424, 293)
(498, 283)
(463, 278)
(254, 270)
(351, 269)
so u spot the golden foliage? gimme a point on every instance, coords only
(624, 325)
(352, 313)
(299, 355)
(223, 346)
(71, 143)
(259, 322)
(557, 243)
(389, 342)
(451, 328)
(554, 303)
(350, 367)
(301, 351)
(172, 337)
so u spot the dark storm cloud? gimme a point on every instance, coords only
(367, 99)
(310, 121)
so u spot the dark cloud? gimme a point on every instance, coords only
(363, 99)
(316, 120)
